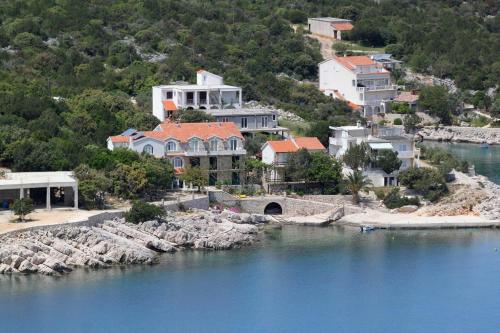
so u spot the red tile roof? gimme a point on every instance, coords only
(119, 138)
(352, 62)
(406, 96)
(343, 26)
(169, 106)
(290, 146)
(184, 131)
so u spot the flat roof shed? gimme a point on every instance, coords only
(29, 180)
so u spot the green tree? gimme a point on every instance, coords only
(196, 177)
(438, 101)
(143, 212)
(92, 187)
(192, 116)
(411, 122)
(297, 165)
(128, 181)
(22, 207)
(356, 182)
(358, 156)
(388, 161)
(324, 169)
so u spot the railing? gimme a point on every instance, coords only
(189, 101)
(376, 88)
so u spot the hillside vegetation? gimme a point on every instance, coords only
(68, 68)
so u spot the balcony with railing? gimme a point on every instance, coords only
(376, 88)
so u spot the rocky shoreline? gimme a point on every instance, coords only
(461, 134)
(59, 249)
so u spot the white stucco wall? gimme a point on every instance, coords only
(158, 146)
(268, 155)
(207, 78)
(333, 76)
(157, 104)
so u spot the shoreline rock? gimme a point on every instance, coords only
(461, 134)
(58, 249)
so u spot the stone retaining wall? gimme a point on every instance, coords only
(197, 203)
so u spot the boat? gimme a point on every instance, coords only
(484, 145)
(366, 228)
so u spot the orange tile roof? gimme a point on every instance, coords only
(289, 146)
(169, 106)
(184, 131)
(352, 62)
(343, 26)
(354, 106)
(119, 138)
(310, 143)
(284, 146)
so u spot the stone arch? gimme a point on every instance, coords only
(273, 208)
(368, 111)
(376, 110)
(202, 108)
(189, 108)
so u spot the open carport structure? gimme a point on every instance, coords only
(15, 185)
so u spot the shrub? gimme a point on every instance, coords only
(143, 211)
(398, 121)
(426, 181)
(23, 207)
(394, 200)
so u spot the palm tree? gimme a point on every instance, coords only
(356, 182)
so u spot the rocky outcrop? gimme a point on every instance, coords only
(461, 134)
(489, 207)
(59, 249)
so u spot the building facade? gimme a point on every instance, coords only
(209, 92)
(329, 26)
(251, 120)
(360, 81)
(378, 139)
(214, 147)
(275, 154)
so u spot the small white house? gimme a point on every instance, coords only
(378, 139)
(276, 153)
(363, 83)
(209, 92)
(329, 26)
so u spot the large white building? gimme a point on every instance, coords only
(209, 92)
(329, 26)
(363, 83)
(217, 148)
(378, 139)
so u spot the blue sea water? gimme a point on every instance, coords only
(300, 279)
(485, 160)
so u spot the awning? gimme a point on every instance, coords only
(169, 106)
(380, 145)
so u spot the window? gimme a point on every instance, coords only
(225, 119)
(244, 122)
(233, 144)
(214, 144)
(353, 83)
(171, 146)
(178, 162)
(235, 161)
(194, 145)
(274, 117)
(361, 96)
(264, 121)
(169, 94)
(195, 162)
(235, 178)
(213, 163)
(148, 149)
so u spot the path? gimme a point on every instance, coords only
(44, 218)
(382, 220)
